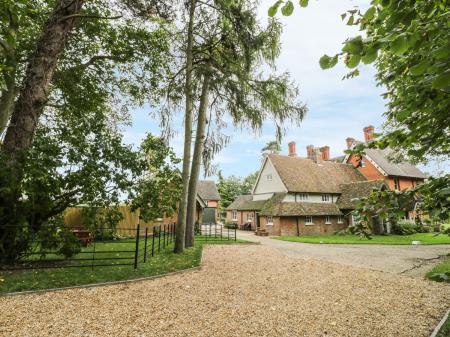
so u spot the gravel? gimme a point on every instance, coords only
(240, 291)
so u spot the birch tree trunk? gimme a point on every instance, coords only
(196, 161)
(181, 221)
(34, 90)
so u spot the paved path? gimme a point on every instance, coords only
(411, 260)
(241, 290)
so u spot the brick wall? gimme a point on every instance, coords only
(242, 217)
(288, 226)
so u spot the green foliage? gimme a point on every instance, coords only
(273, 147)
(231, 187)
(404, 227)
(158, 189)
(102, 221)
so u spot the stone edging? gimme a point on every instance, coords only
(441, 323)
(93, 285)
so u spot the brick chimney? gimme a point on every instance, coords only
(350, 142)
(310, 151)
(325, 151)
(317, 155)
(291, 149)
(368, 133)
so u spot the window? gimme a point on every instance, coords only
(270, 220)
(269, 177)
(302, 196)
(363, 163)
(309, 220)
(326, 198)
(249, 216)
(327, 219)
(339, 219)
(234, 215)
(397, 184)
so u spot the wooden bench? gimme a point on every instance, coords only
(83, 235)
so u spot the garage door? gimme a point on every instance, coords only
(209, 215)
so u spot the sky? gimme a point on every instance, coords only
(337, 108)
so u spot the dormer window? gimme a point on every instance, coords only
(326, 198)
(269, 177)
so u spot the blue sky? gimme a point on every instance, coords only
(337, 108)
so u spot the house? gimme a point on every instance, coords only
(207, 191)
(301, 196)
(379, 164)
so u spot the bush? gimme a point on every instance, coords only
(404, 227)
(102, 222)
(230, 225)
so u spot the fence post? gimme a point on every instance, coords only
(153, 240)
(159, 238)
(136, 253)
(145, 244)
(221, 232)
(234, 233)
(164, 238)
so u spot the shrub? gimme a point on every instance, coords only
(230, 225)
(404, 227)
(102, 222)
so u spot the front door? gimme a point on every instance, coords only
(258, 224)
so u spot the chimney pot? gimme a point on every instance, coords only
(368, 133)
(310, 151)
(317, 155)
(291, 148)
(325, 151)
(350, 142)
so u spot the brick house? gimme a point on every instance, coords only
(207, 191)
(301, 196)
(378, 164)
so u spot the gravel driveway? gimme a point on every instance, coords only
(410, 260)
(240, 291)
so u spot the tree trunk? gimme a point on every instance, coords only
(34, 91)
(181, 221)
(9, 74)
(196, 161)
(25, 117)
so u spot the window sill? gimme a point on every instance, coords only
(328, 223)
(269, 224)
(309, 224)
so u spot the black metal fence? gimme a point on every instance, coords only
(100, 248)
(214, 232)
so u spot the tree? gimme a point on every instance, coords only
(188, 91)
(409, 44)
(157, 191)
(272, 147)
(77, 155)
(228, 58)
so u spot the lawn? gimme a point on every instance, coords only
(441, 272)
(425, 238)
(162, 263)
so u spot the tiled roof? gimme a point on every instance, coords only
(401, 169)
(246, 203)
(276, 207)
(304, 175)
(207, 189)
(353, 191)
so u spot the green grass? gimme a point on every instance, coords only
(442, 268)
(425, 238)
(162, 263)
(445, 329)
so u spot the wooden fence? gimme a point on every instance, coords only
(73, 217)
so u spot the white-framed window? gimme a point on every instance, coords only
(249, 216)
(302, 196)
(269, 177)
(309, 220)
(234, 214)
(326, 198)
(327, 219)
(397, 184)
(339, 219)
(270, 220)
